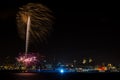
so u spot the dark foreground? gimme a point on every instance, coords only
(59, 76)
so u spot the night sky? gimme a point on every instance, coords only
(76, 34)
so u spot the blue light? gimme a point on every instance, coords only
(61, 71)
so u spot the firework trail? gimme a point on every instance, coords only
(27, 35)
(41, 21)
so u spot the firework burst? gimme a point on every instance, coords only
(29, 59)
(41, 21)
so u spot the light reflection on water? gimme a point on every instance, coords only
(27, 76)
(58, 76)
(33, 76)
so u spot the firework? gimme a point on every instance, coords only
(41, 21)
(29, 59)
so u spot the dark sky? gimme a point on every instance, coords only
(77, 33)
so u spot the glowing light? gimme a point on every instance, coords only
(61, 71)
(28, 59)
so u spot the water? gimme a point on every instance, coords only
(58, 76)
